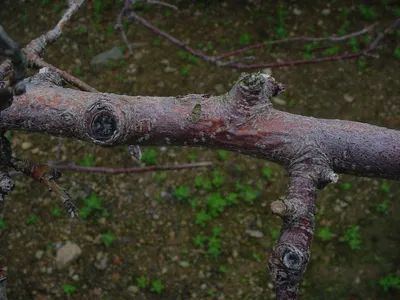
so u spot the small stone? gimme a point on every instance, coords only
(101, 261)
(267, 71)
(270, 285)
(348, 98)
(184, 264)
(254, 233)
(278, 101)
(165, 62)
(75, 277)
(26, 145)
(138, 55)
(169, 69)
(296, 11)
(39, 254)
(219, 88)
(132, 290)
(326, 12)
(104, 57)
(67, 254)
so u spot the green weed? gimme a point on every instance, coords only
(56, 211)
(157, 286)
(108, 238)
(353, 238)
(390, 281)
(245, 39)
(88, 161)
(325, 234)
(367, 13)
(149, 156)
(68, 289)
(32, 219)
(181, 192)
(141, 282)
(3, 223)
(266, 173)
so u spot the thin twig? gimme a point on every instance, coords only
(299, 39)
(130, 170)
(39, 63)
(36, 47)
(217, 60)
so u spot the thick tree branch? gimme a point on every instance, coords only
(235, 121)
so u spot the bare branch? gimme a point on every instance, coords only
(36, 47)
(46, 175)
(131, 170)
(299, 39)
(76, 82)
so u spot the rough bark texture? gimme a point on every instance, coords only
(243, 120)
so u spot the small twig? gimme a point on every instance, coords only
(36, 47)
(131, 170)
(299, 39)
(162, 3)
(72, 80)
(46, 175)
(381, 35)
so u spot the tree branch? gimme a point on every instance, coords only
(116, 171)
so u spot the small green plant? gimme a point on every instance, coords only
(56, 211)
(211, 292)
(181, 192)
(156, 43)
(222, 154)
(88, 161)
(92, 206)
(217, 178)
(368, 14)
(108, 238)
(203, 183)
(32, 219)
(68, 289)
(141, 282)
(332, 50)
(202, 218)
(346, 186)
(3, 223)
(383, 207)
(149, 156)
(362, 63)
(215, 204)
(325, 234)
(248, 194)
(385, 187)
(266, 173)
(353, 238)
(160, 177)
(214, 247)
(397, 52)
(390, 281)
(245, 39)
(223, 268)
(157, 286)
(185, 70)
(256, 256)
(199, 240)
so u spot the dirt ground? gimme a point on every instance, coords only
(142, 236)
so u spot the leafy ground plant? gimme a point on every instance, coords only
(353, 237)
